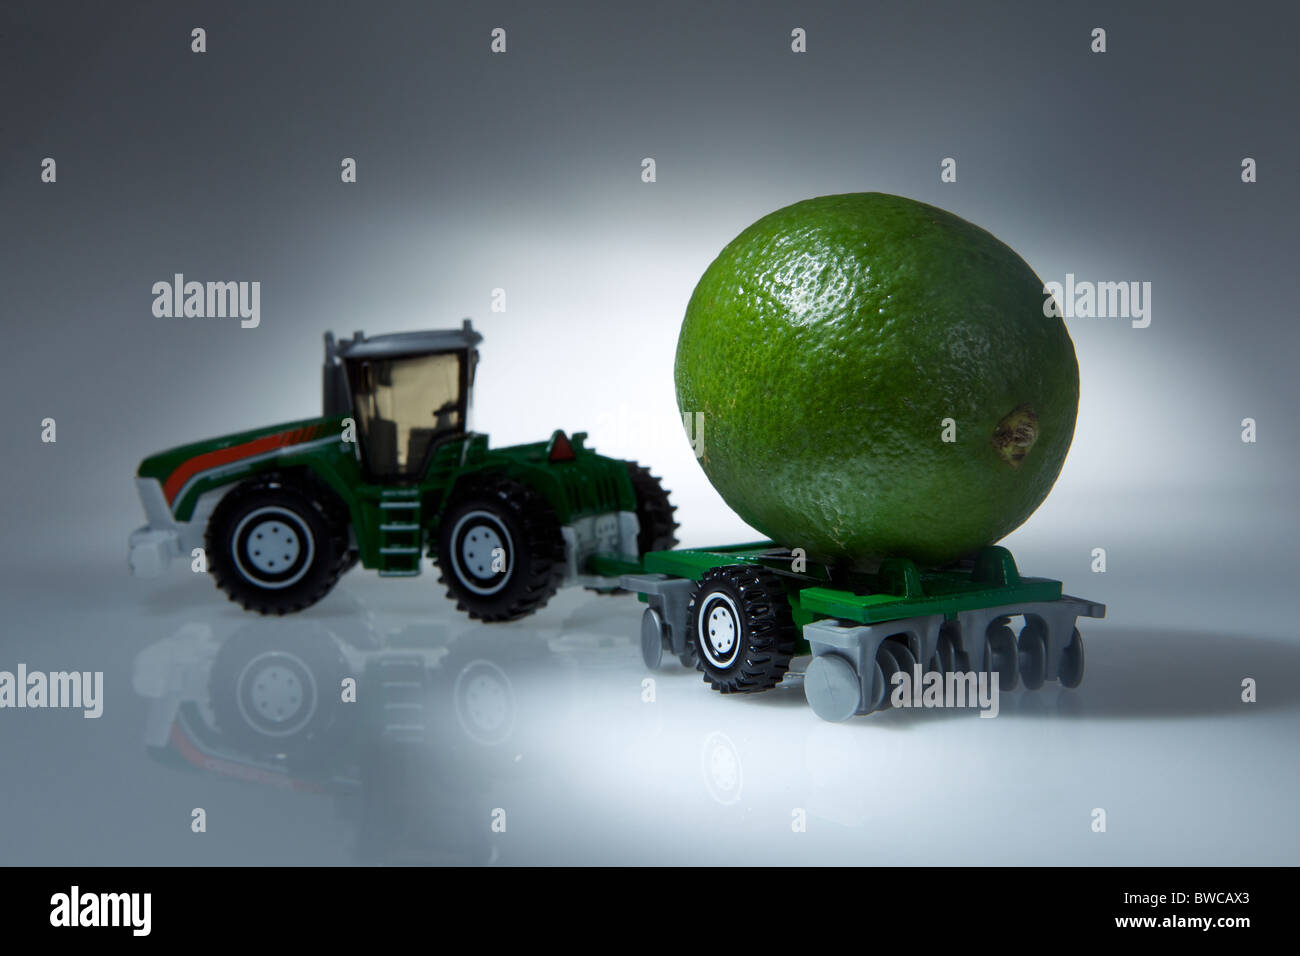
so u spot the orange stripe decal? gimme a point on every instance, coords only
(224, 456)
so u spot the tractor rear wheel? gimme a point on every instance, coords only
(741, 628)
(654, 515)
(500, 550)
(277, 544)
(654, 511)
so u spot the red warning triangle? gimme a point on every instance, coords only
(561, 449)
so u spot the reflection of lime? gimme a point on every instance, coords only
(827, 345)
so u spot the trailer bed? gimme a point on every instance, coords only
(861, 625)
(898, 589)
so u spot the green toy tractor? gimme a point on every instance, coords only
(390, 472)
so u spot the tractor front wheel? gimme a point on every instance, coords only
(276, 545)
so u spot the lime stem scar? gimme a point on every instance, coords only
(1016, 434)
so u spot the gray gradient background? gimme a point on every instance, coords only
(522, 171)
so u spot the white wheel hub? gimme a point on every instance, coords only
(480, 544)
(481, 552)
(719, 629)
(272, 547)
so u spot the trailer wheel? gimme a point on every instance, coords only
(1033, 653)
(741, 628)
(653, 641)
(652, 638)
(1002, 655)
(1071, 672)
(277, 544)
(500, 550)
(948, 656)
(832, 688)
(892, 657)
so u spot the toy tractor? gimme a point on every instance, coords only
(390, 472)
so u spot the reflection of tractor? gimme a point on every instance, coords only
(437, 717)
(389, 470)
(272, 698)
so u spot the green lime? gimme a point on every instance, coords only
(876, 377)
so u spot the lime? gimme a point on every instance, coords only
(876, 378)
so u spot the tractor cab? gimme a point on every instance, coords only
(407, 392)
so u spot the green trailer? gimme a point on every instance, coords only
(742, 613)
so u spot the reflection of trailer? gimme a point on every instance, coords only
(741, 612)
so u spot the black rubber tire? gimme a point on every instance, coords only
(654, 515)
(1071, 671)
(1032, 641)
(316, 519)
(893, 655)
(654, 511)
(280, 694)
(1002, 655)
(949, 656)
(529, 532)
(763, 636)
